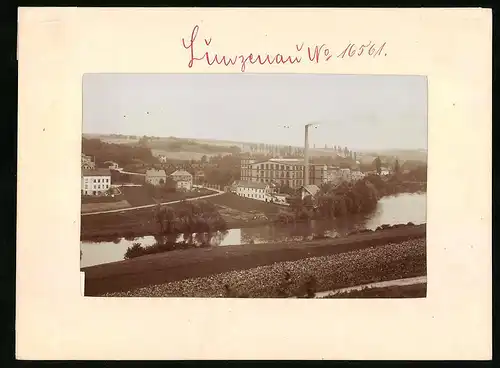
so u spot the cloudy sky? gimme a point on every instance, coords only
(357, 111)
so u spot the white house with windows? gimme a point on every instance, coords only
(253, 190)
(87, 162)
(95, 182)
(183, 179)
(156, 177)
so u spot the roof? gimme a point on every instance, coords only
(154, 172)
(252, 184)
(98, 172)
(181, 172)
(290, 160)
(311, 188)
(286, 161)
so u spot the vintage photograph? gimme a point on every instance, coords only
(254, 185)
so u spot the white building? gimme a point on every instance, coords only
(253, 190)
(309, 190)
(156, 177)
(87, 162)
(95, 182)
(112, 165)
(384, 171)
(357, 175)
(183, 179)
(280, 198)
(162, 158)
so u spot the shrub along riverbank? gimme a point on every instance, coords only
(204, 240)
(348, 198)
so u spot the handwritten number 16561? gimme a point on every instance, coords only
(357, 50)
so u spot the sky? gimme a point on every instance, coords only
(358, 111)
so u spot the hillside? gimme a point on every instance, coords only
(192, 148)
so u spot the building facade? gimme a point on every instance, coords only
(156, 177)
(246, 169)
(95, 182)
(253, 190)
(183, 179)
(87, 162)
(282, 172)
(357, 175)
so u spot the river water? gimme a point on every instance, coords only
(392, 210)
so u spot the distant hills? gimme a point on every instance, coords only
(194, 148)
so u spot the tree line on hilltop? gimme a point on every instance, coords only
(120, 153)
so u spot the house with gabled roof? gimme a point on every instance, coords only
(309, 190)
(183, 179)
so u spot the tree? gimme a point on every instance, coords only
(396, 167)
(378, 165)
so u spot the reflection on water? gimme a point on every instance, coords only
(392, 210)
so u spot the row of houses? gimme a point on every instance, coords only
(182, 178)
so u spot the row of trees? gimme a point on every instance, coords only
(347, 198)
(189, 217)
(276, 149)
(119, 153)
(188, 145)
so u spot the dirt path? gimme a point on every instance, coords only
(399, 282)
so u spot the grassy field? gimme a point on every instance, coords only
(104, 206)
(137, 222)
(138, 196)
(246, 205)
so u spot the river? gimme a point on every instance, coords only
(392, 210)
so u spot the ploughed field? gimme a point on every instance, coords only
(301, 277)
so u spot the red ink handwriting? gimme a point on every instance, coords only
(315, 54)
(232, 60)
(370, 48)
(319, 51)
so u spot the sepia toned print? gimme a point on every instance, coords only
(254, 186)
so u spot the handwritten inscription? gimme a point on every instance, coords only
(314, 54)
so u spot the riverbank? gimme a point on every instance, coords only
(238, 212)
(307, 276)
(191, 263)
